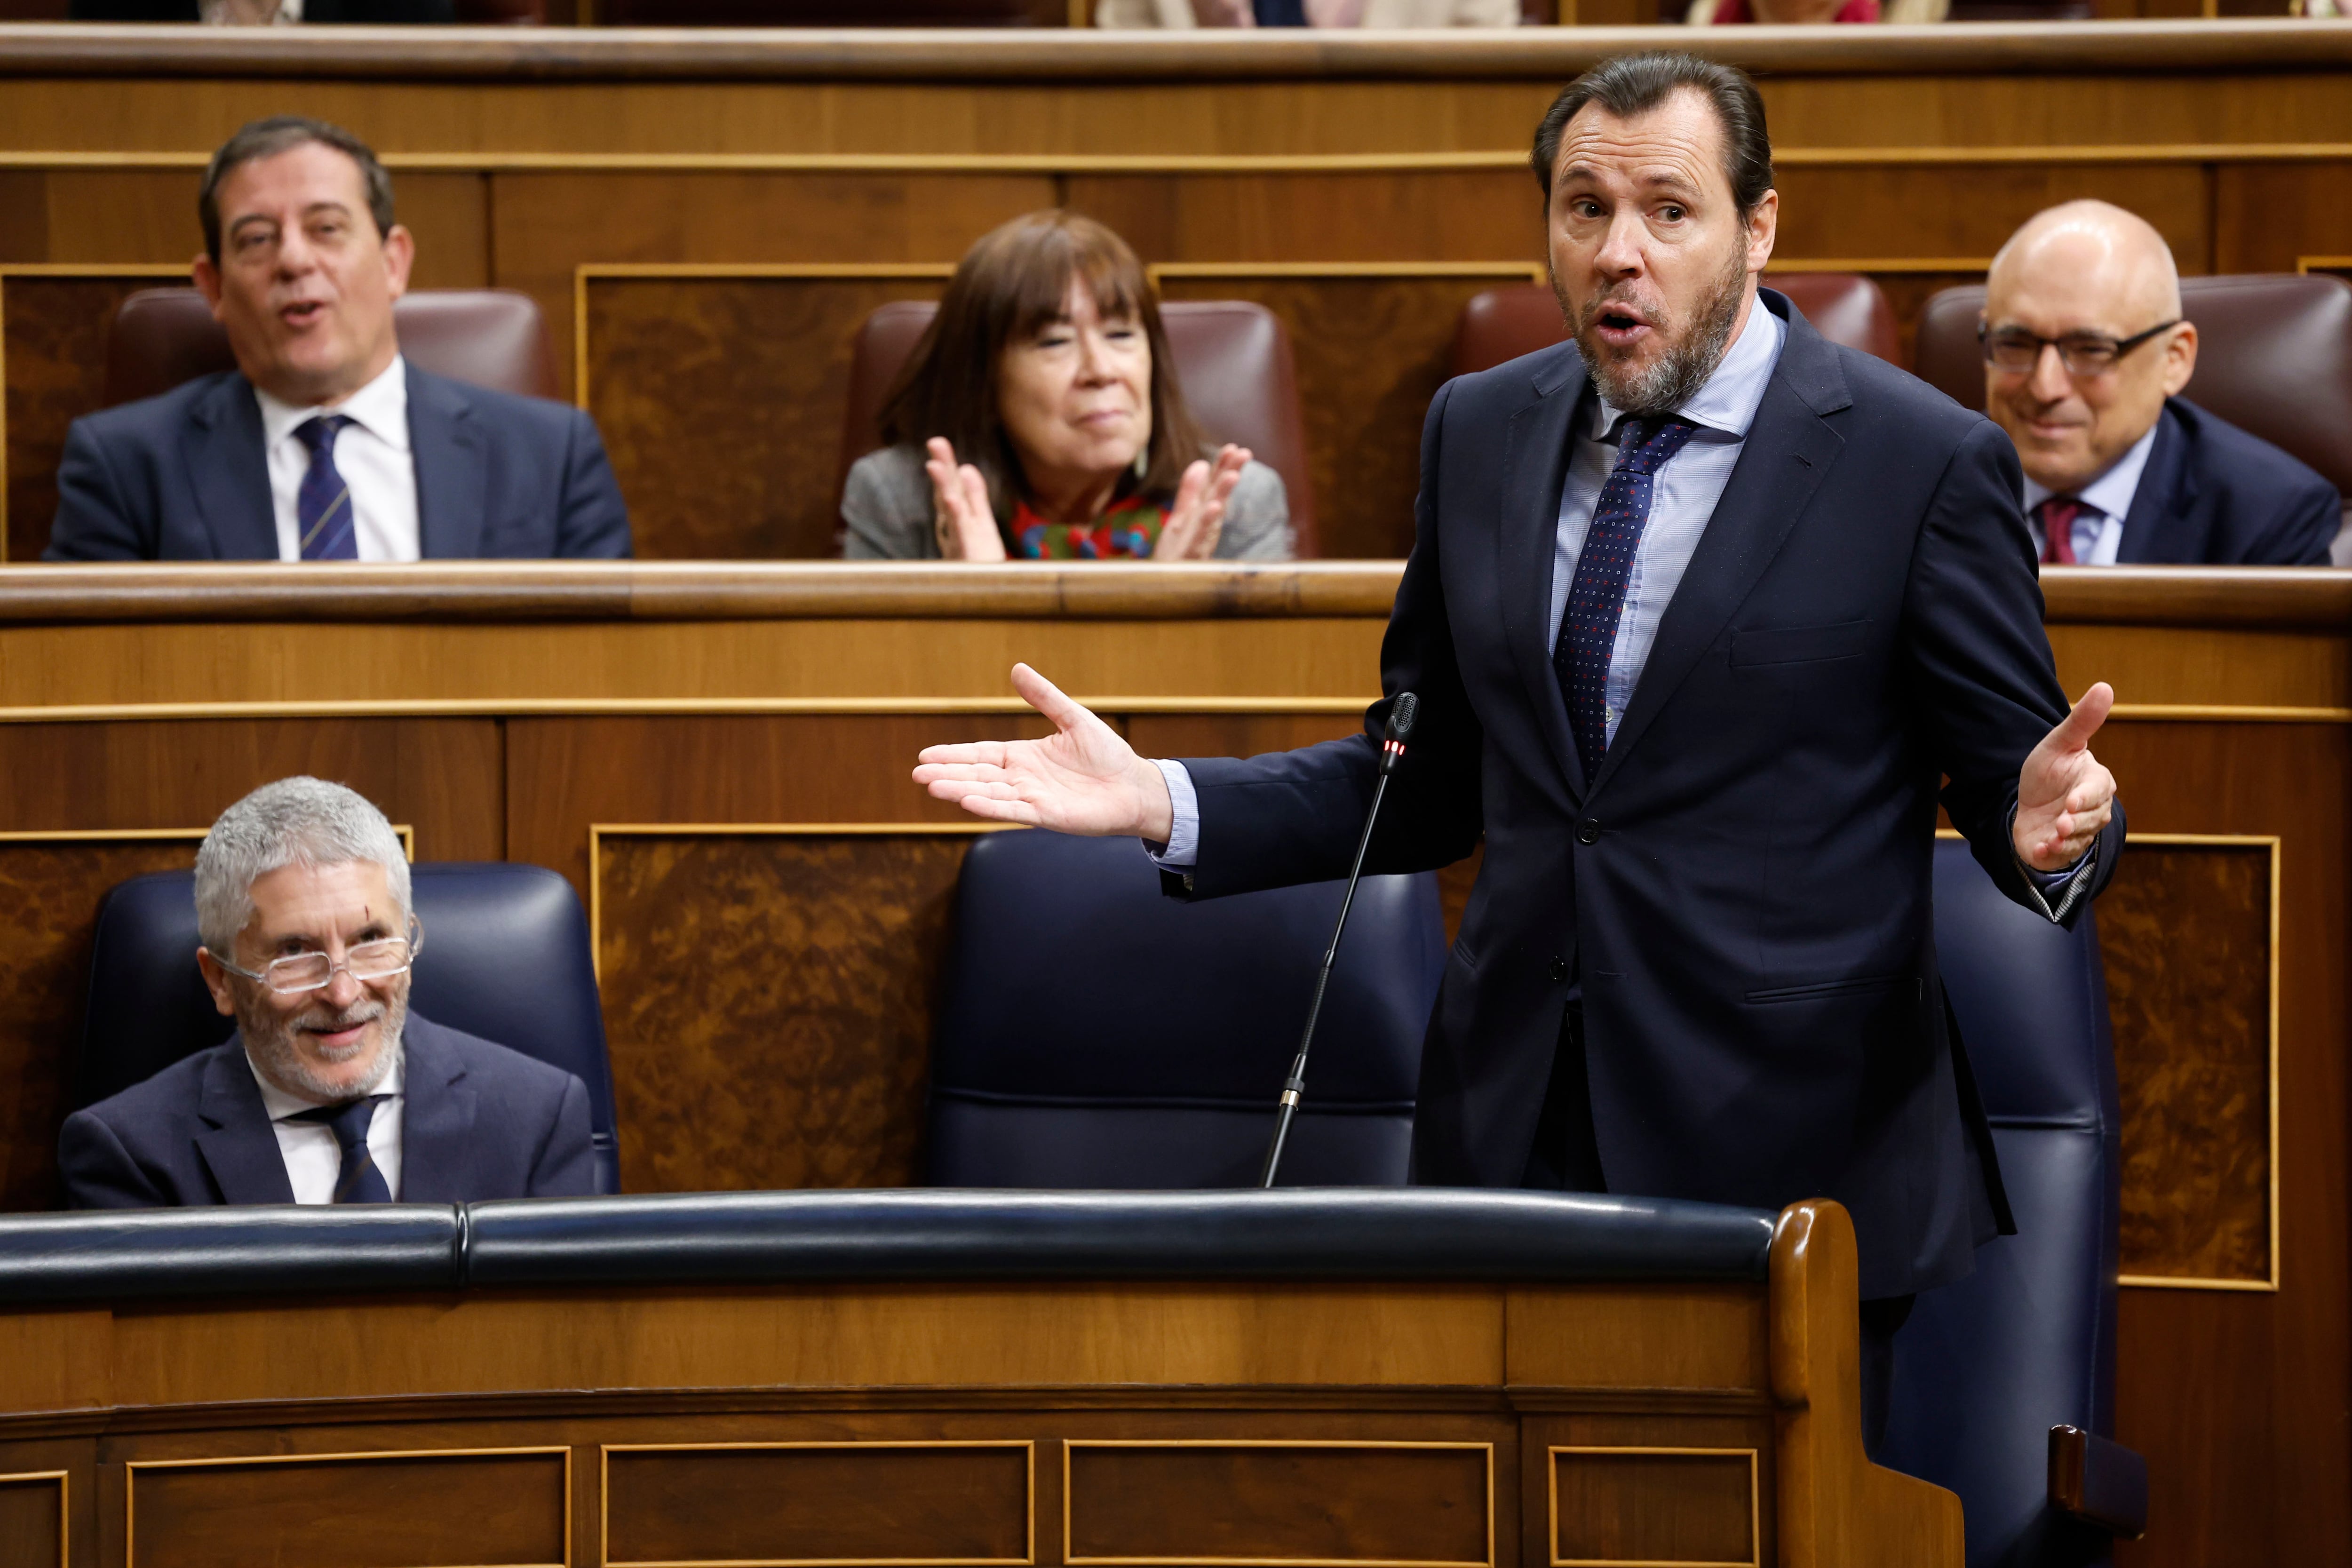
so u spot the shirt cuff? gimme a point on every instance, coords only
(2054, 891)
(1182, 850)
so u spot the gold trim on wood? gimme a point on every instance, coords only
(1551, 1489)
(116, 834)
(1882, 264)
(2307, 264)
(65, 1508)
(1070, 1557)
(1157, 273)
(658, 707)
(132, 1468)
(605, 1508)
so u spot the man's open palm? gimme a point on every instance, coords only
(1083, 778)
(2064, 796)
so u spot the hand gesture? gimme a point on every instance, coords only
(2064, 796)
(1083, 778)
(1198, 516)
(960, 509)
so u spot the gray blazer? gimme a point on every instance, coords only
(886, 510)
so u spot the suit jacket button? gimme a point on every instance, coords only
(1589, 831)
(1560, 969)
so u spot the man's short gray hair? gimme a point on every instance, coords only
(295, 821)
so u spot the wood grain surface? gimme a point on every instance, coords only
(53, 348)
(1628, 1505)
(33, 1517)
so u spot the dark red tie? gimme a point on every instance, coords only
(2057, 516)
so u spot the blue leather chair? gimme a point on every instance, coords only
(1092, 1033)
(506, 957)
(1985, 1369)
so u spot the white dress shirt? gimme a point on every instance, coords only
(372, 454)
(314, 1161)
(2098, 531)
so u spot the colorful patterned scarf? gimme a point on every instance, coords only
(1128, 531)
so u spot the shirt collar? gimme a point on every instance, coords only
(1728, 402)
(380, 408)
(280, 1105)
(2112, 491)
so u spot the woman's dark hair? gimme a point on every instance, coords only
(283, 134)
(1014, 281)
(1635, 84)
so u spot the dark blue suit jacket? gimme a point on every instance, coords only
(478, 1122)
(1744, 889)
(2213, 495)
(183, 476)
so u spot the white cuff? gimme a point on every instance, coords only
(1182, 850)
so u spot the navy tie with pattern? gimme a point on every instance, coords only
(359, 1182)
(1588, 629)
(322, 507)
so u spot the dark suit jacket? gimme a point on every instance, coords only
(2213, 495)
(1744, 889)
(478, 1122)
(183, 476)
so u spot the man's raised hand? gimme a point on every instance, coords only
(2064, 796)
(1083, 778)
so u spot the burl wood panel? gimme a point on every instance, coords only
(2185, 933)
(1652, 1508)
(848, 1502)
(53, 344)
(32, 1523)
(768, 1004)
(721, 401)
(1327, 1503)
(50, 895)
(467, 1510)
(1370, 354)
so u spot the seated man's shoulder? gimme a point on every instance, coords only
(172, 1092)
(2241, 460)
(485, 1062)
(512, 410)
(161, 416)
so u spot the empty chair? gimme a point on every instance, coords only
(505, 957)
(489, 337)
(1233, 360)
(1986, 1367)
(1501, 324)
(1092, 1033)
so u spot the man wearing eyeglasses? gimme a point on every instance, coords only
(330, 1091)
(2086, 356)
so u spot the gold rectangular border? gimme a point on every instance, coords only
(65, 1508)
(2306, 265)
(132, 1468)
(605, 1508)
(1524, 271)
(123, 835)
(1551, 1493)
(1078, 1561)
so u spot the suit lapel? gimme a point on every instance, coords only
(452, 476)
(228, 472)
(236, 1142)
(2156, 528)
(1787, 452)
(437, 1123)
(1534, 468)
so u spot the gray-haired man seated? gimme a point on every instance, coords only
(330, 1091)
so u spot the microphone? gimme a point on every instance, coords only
(1401, 714)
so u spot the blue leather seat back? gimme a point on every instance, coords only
(1987, 1366)
(506, 956)
(1092, 1033)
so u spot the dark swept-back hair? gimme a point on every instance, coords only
(1014, 281)
(1635, 84)
(283, 134)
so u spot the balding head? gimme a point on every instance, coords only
(2084, 272)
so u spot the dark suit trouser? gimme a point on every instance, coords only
(1567, 1159)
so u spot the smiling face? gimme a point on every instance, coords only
(1654, 267)
(1075, 397)
(337, 1043)
(305, 283)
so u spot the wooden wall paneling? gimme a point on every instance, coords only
(2268, 217)
(108, 216)
(722, 392)
(1372, 343)
(1971, 210)
(450, 216)
(1638, 1504)
(945, 1501)
(36, 1520)
(1401, 213)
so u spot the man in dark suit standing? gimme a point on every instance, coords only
(2085, 357)
(1700, 609)
(330, 1091)
(324, 443)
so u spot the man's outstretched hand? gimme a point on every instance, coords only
(2064, 797)
(1084, 778)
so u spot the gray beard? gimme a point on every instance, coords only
(1677, 376)
(270, 1043)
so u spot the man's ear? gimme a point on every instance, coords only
(206, 274)
(1763, 228)
(2180, 358)
(399, 256)
(216, 981)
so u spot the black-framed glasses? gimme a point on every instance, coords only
(2087, 354)
(301, 972)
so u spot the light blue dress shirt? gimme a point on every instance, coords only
(2097, 535)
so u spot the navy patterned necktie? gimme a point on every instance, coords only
(1587, 630)
(359, 1182)
(322, 507)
